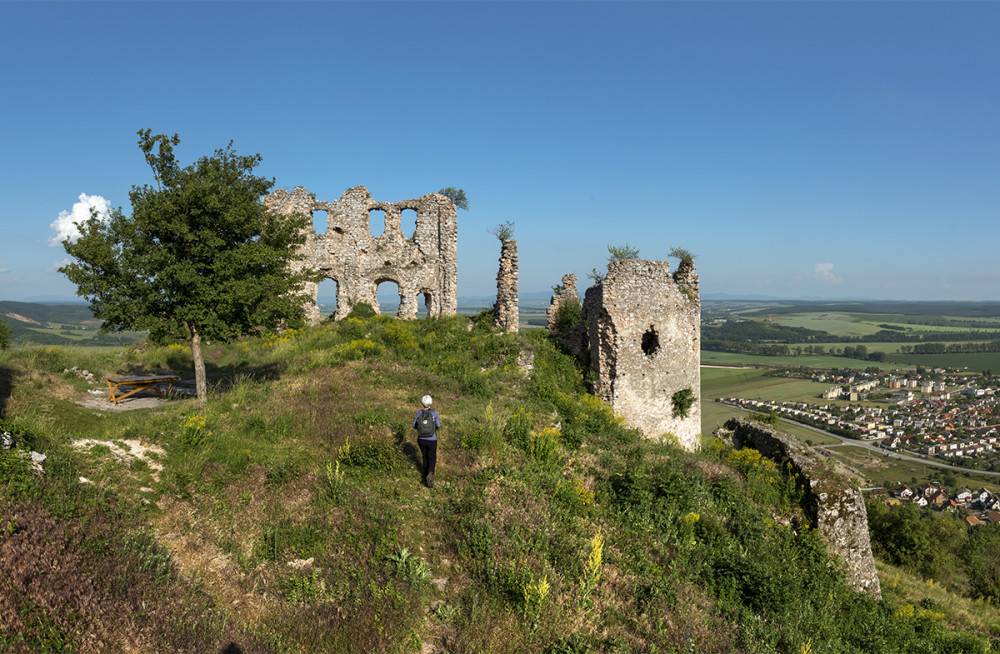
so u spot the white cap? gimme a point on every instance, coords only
(426, 399)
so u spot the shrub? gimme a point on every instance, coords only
(371, 454)
(362, 310)
(682, 401)
(568, 314)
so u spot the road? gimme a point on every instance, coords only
(868, 446)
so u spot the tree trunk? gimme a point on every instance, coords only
(199, 366)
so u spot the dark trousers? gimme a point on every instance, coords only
(429, 452)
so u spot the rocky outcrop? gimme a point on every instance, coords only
(835, 506)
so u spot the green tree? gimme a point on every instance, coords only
(4, 335)
(200, 258)
(457, 196)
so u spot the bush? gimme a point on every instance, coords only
(568, 315)
(361, 311)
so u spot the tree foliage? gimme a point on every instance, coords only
(199, 258)
(5, 331)
(457, 196)
(504, 231)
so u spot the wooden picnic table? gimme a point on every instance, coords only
(138, 384)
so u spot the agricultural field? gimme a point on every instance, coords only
(838, 324)
(791, 361)
(880, 469)
(754, 383)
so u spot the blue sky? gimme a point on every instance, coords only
(811, 149)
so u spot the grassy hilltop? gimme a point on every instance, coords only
(286, 515)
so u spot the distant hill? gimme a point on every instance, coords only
(33, 323)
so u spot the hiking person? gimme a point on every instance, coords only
(427, 423)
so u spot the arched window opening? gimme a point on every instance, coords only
(376, 222)
(326, 298)
(319, 222)
(388, 297)
(428, 305)
(408, 222)
(650, 342)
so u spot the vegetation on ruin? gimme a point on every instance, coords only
(504, 231)
(685, 256)
(288, 514)
(457, 196)
(568, 314)
(200, 259)
(615, 253)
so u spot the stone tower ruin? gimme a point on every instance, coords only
(423, 266)
(643, 329)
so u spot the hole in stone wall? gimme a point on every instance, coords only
(650, 342)
(408, 222)
(388, 297)
(376, 222)
(425, 310)
(319, 222)
(326, 297)
(337, 230)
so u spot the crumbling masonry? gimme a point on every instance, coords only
(836, 508)
(507, 315)
(425, 265)
(567, 291)
(642, 327)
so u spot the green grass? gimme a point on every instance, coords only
(552, 527)
(753, 383)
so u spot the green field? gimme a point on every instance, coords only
(752, 383)
(838, 324)
(879, 468)
(714, 415)
(733, 359)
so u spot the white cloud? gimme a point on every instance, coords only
(65, 227)
(824, 273)
(4, 270)
(56, 265)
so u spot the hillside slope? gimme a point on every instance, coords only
(287, 514)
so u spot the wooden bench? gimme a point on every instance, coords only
(138, 384)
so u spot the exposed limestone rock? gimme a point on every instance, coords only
(831, 502)
(424, 265)
(643, 328)
(567, 291)
(507, 314)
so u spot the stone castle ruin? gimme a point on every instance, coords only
(424, 266)
(642, 328)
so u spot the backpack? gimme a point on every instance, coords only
(425, 424)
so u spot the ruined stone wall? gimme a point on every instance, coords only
(568, 291)
(424, 266)
(507, 314)
(835, 506)
(643, 328)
